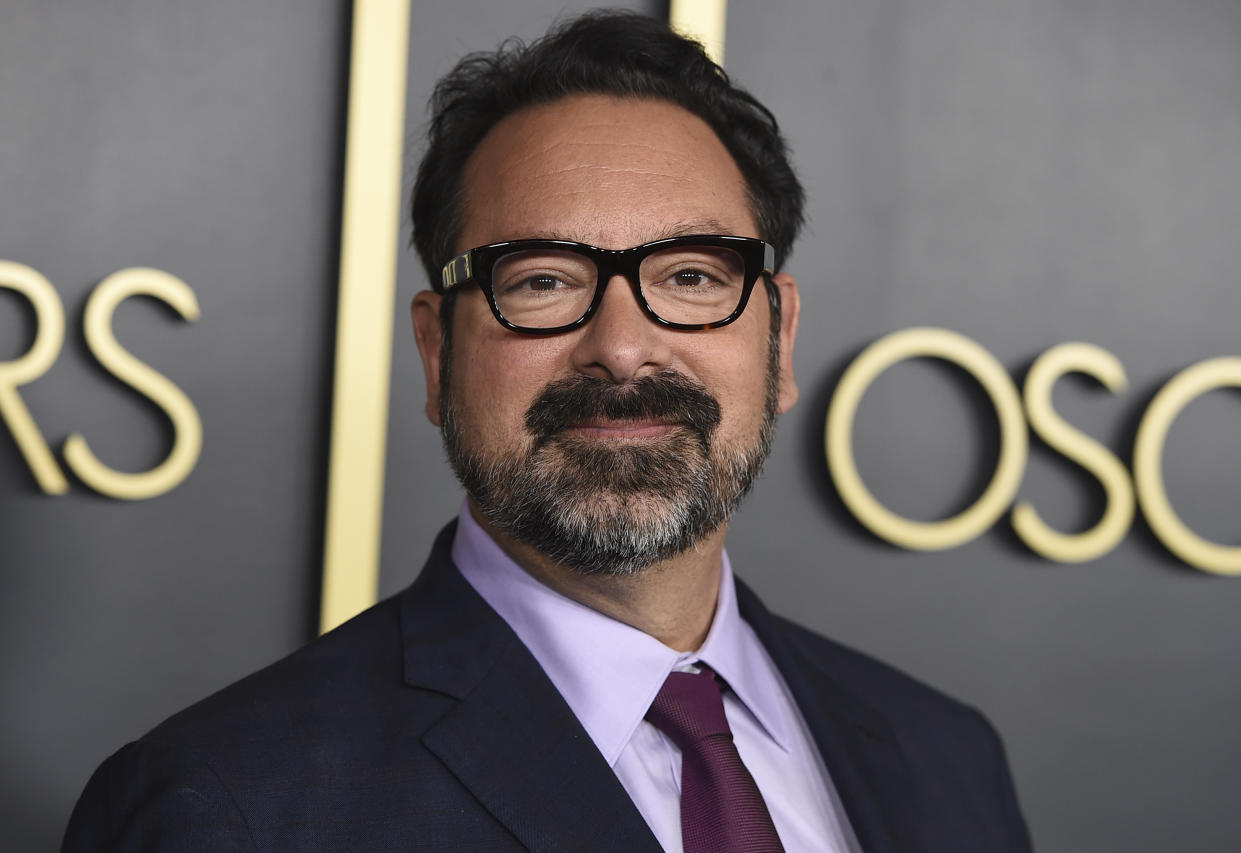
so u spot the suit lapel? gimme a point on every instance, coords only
(511, 739)
(859, 751)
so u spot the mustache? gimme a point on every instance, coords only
(666, 396)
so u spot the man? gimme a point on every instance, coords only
(607, 346)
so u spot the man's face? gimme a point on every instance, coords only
(621, 443)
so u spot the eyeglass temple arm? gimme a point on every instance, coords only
(457, 271)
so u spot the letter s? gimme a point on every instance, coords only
(187, 427)
(1080, 448)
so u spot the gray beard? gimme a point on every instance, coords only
(613, 508)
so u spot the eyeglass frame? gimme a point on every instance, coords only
(476, 265)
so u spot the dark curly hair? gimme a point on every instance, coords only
(606, 52)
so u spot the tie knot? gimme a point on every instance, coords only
(689, 708)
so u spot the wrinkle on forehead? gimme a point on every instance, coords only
(594, 166)
(607, 171)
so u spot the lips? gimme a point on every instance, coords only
(622, 429)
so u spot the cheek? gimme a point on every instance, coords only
(495, 378)
(732, 364)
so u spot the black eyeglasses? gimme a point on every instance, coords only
(542, 287)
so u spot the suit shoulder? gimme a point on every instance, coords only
(952, 755)
(333, 675)
(897, 694)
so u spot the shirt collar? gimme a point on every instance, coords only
(607, 671)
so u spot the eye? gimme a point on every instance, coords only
(541, 273)
(693, 271)
(692, 278)
(534, 284)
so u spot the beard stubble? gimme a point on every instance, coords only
(615, 507)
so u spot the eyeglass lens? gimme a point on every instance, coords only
(546, 288)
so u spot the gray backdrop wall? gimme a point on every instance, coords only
(1025, 173)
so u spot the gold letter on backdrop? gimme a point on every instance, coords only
(378, 62)
(1148, 464)
(703, 21)
(48, 338)
(187, 428)
(1082, 449)
(960, 350)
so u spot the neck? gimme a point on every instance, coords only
(673, 601)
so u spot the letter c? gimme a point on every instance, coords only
(1148, 464)
(1014, 438)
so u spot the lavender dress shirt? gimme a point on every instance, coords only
(610, 672)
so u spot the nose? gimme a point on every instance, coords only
(620, 343)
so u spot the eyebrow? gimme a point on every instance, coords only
(680, 229)
(701, 226)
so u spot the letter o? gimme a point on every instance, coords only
(1014, 439)
(1148, 464)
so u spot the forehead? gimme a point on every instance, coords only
(613, 172)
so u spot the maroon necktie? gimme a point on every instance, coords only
(721, 807)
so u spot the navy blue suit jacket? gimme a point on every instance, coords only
(425, 724)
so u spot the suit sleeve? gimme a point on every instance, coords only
(150, 797)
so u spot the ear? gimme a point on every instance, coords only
(425, 313)
(790, 313)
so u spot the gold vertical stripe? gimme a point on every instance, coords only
(379, 57)
(703, 21)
